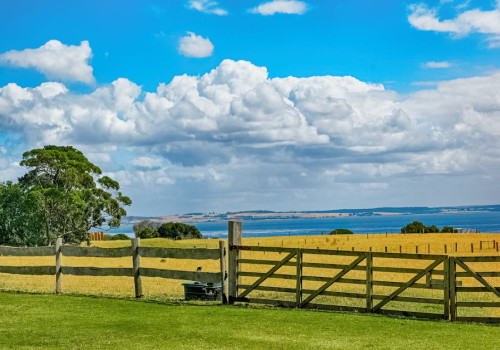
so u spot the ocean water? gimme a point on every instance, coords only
(480, 221)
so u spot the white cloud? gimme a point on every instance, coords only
(147, 162)
(291, 7)
(207, 6)
(194, 45)
(467, 22)
(441, 64)
(236, 131)
(55, 60)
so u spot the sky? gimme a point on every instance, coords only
(202, 105)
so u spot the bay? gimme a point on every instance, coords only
(480, 221)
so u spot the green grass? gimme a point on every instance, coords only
(52, 322)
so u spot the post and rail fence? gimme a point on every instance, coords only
(441, 276)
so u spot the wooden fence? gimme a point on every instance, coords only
(438, 280)
(135, 251)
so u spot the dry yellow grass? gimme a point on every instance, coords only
(164, 288)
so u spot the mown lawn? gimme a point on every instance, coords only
(54, 322)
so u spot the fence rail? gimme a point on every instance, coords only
(135, 251)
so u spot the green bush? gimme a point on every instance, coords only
(341, 231)
(448, 229)
(176, 230)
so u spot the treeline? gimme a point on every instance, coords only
(172, 230)
(418, 227)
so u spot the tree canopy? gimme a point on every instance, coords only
(172, 230)
(63, 195)
(418, 227)
(341, 231)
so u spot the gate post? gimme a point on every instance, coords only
(369, 281)
(58, 264)
(136, 260)
(447, 282)
(453, 288)
(233, 238)
(298, 293)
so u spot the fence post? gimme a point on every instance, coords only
(223, 271)
(446, 278)
(298, 294)
(369, 281)
(58, 264)
(453, 291)
(234, 238)
(136, 260)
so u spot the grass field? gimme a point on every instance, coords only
(163, 289)
(31, 321)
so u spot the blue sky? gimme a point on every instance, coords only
(230, 105)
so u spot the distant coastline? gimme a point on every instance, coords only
(337, 213)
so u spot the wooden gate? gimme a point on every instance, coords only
(481, 282)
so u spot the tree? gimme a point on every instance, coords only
(21, 219)
(414, 227)
(176, 230)
(146, 229)
(448, 229)
(341, 231)
(431, 229)
(73, 196)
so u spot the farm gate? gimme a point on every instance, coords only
(419, 285)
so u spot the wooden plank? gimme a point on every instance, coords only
(281, 303)
(483, 274)
(412, 299)
(260, 274)
(207, 277)
(223, 271)
(407, 284)
(331, 252)
(475, 289)
(478, 277)
(408, 256)
(233, 239)
(298, 287)
(403, 270)
(96, 252)
(180, 253)
(267, 274)
(479, 258)
(263, 262)
(426, 315)
(261, 249)
(269, 288)
(136, 263)
(27, 251)
(479, 319)
(369, 280)
(96, 271)
(28, 270)
(332, 280)
(478, 303)
(337, 294)
(58, 252)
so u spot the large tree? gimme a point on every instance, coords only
(73, 195)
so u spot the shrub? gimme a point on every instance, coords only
(341, 231)
(414, 227)
(448, 229)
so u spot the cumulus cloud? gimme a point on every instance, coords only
(194, 45)
(433, 64)
(290, 7)
(55, 60)
(466, 22)
(207, 6)
(235, 130)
